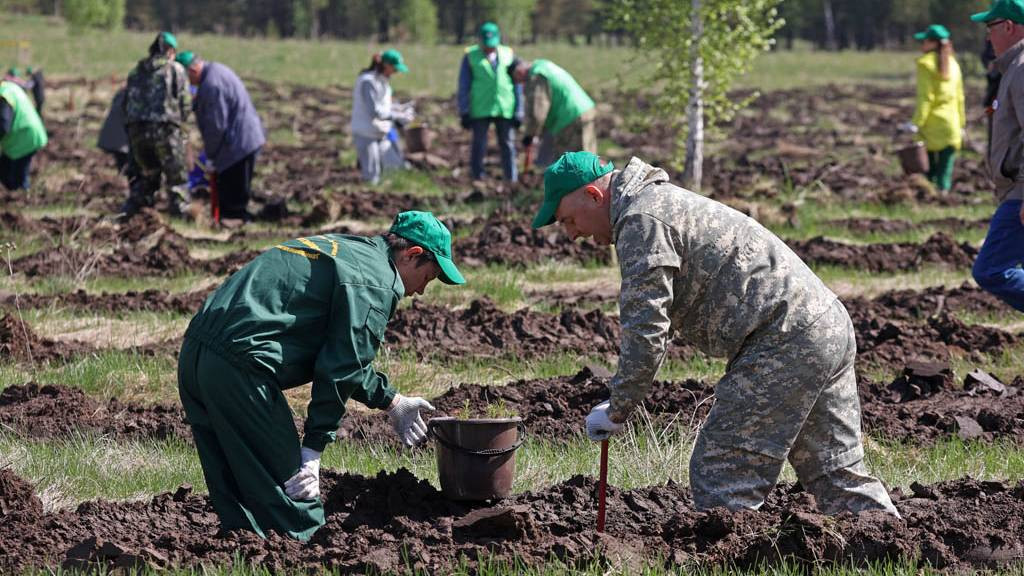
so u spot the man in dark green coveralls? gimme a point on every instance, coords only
(310, 309)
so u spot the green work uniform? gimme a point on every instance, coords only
(568, 99)
(492, 93)
(311, 309)
(27, 134)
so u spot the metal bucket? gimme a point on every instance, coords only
(418, 139)
(914, 158)
(476, 459)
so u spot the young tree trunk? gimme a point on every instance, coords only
(693, 171)
(830, 26)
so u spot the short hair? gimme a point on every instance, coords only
(398, 244)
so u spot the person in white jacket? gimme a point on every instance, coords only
(374, 116)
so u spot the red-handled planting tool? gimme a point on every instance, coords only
(602, 485)
(214, 197)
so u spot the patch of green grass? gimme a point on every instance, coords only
(122, 374)
(113, 284)
(501, 284)
(413, 182)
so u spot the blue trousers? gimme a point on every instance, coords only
(14, 173)
(998, 268)
(506, 142)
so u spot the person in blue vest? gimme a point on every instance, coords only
(21, 135)
(487, 95)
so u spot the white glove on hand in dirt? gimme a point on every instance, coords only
(305, 485)
(405, 418)
(599, 425)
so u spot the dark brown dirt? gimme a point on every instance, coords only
(923, 405)
(19, 343)
(907, 305)
(394, 522)
(483, 330)
(938, 249)
(59, 411)
(552, 408)
(146, 300)
(503, 239)
(887, 226)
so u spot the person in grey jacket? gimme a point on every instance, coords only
(231, 129)
(374, 116)
(113, 137)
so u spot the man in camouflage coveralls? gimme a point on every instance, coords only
(732, 289)
(156, 105)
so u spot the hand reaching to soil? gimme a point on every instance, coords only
(305, 485)
(406, 420)
(599, 425)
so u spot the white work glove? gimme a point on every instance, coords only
(907, 127)
(305, 485)
(599, 425)
(405, 418)
(404, 116)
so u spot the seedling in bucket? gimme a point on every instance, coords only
(476, 458)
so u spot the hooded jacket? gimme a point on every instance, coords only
(157, 91)
(695, 266)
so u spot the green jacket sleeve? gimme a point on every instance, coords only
(344, 365)
(648, 261)
(925, 95)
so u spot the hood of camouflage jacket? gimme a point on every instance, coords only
(150, 63)
(628, 184)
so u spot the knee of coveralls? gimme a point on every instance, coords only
(255, 447)
(761, 405)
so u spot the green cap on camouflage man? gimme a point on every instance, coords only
(394, 57)
(1012, 10)
(490, 36)
(185, 58)
(569, 173)
(169, 39)
(426, 231)
(933, 32)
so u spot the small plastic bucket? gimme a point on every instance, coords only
(914, 158)
(476, 459)
(418, 139)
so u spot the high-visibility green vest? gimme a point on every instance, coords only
(27, 133)
(492, 93)
(568, 99)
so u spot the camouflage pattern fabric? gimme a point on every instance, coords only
(792, 397)
(158, 152)
(157, 91)
(732, 289)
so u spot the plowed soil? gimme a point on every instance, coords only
(887, 226)
(146, 300)
(892, 343)
(552, 408)
(395, 522)
(59, 411)
(19, 343)
(924, 405)
(504, 239)
(939, 249)
(907, 305)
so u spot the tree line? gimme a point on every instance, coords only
(827, 24)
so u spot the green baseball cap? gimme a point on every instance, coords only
(570, 172)
(933, 32)
(1012, 10)
(423, 229)
(489, 34)
(169, 39)
(394, 57)
(185, 58)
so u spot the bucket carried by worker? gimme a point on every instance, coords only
(476, 458)
(913, 158)
(418, 138)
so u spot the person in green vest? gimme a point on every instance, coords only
(21, 135)
(309, 309)
(558, 110)
(486, 96)
(939, 119)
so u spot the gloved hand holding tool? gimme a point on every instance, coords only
(599, 425)
(305, 484)
(406, 420)
(907, 127)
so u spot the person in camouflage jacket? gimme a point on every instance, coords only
(156, 105)
(712, 277)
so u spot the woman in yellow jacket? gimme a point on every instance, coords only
(939, 119)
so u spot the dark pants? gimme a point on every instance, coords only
(940, 170)
(998, 268)
(14, 173)
(234, 188)
(506, 142)
(247, 442)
